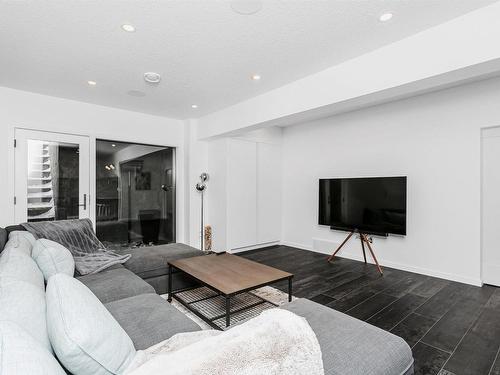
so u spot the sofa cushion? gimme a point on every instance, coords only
(25, 235)
(22, 241)
(21, 354)
(4, 236)
(53, 258)
(148, 319)
(152, 261)
(17, 265)
(350, 346)
(180, 281)
(115, 284)
(84, 335)
(24, 304)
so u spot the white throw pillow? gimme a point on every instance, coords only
(18, 265)
(53, 258)
(84, 335)
(21, 240)
(24, 304)
(21, 354)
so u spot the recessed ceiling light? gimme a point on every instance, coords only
(385, 17)
(256, 77)
(152, 77)
(194, 106)
(246, 7)
(113, 145)
(128, 28)
(92, 83)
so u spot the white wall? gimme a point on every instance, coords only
(196, 163)
(434, 139)
(39, 112)
(217, 192)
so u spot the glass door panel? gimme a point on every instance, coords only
(52, 176)
(135, 194)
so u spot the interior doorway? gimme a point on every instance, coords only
(490, 210)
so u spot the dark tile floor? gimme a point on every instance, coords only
(452, 328)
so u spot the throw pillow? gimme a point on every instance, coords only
(24, 304)
(53, 258)
(17, 265)
(22, 241)
(20, 354)
(84, 335)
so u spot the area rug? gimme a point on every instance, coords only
(213, 305)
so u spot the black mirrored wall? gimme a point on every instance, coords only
(135, 194)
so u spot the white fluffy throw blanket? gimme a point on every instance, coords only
(275, 342)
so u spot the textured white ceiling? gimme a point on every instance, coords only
(204, 51)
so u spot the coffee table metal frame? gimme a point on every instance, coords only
(227, 297)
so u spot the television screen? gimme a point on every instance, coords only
(374, 205)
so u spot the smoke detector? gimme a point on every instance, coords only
(152, 77)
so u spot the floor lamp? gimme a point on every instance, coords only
(201, 186)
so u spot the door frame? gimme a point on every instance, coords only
(482, 131)
(21, 135)
(175, 179)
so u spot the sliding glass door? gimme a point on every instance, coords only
(135, 194)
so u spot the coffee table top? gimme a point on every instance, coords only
(228, 273)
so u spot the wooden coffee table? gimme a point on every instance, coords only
(227, 275)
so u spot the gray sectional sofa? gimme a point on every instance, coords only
(130, 293)
(150, 264)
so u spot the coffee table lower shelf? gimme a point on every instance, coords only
(211, 307)
(222, 308)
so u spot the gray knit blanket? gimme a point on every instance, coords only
(79, 238)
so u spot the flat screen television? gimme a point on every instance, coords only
(372, 205)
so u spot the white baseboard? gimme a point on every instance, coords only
(253, 247)
(298, 246)
(399, 266)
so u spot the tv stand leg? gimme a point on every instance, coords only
(363, 246)
(330, 258)
(372, 253)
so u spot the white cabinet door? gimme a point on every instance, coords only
(268, 193)
(491, 207)
(51, 177)
(241, 193)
